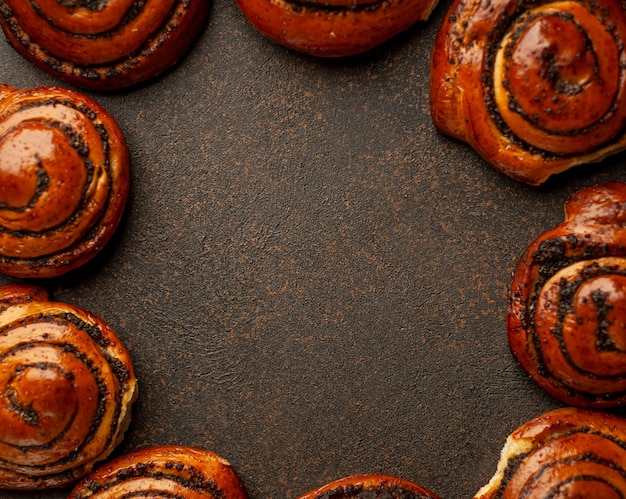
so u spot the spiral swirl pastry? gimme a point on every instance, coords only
(561, 454)
(66, 388)
(171, 472)
(334, 28)
(103, 44)
(64, 180)
(566, 316)
(534, 87)
(370, 486)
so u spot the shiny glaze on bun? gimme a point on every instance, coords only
(103, 44)
(334, 28)
(64, 180)
(167, 471)
(568, 452)
(369, 486)
(567, 302)
(534, 87)
(66, 389)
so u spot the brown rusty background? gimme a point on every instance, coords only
(310, 279)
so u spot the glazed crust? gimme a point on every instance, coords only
(564, 453)
(168, 471)
(103, 45)
(534, 87)
(335, 28)
(64, 180)
(66, 389)
(363, 486)
(567, 302)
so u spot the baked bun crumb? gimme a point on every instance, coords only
(568, 452)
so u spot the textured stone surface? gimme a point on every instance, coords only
(310, 280)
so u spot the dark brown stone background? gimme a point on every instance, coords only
(310, 279)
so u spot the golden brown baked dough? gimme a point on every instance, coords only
(370, 486)
(66, 389)
(334, 28)
(103, 44)
(64, 180)
(567, 302)
(536, 87)
(568, 452)
(168, 471)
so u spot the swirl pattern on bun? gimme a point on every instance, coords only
(535, 87)
(64, 180)
(564, 453)
(567, 303)
(167, 471)
(369, 486)
(66, 389)
(334, 28)
(103, 44)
